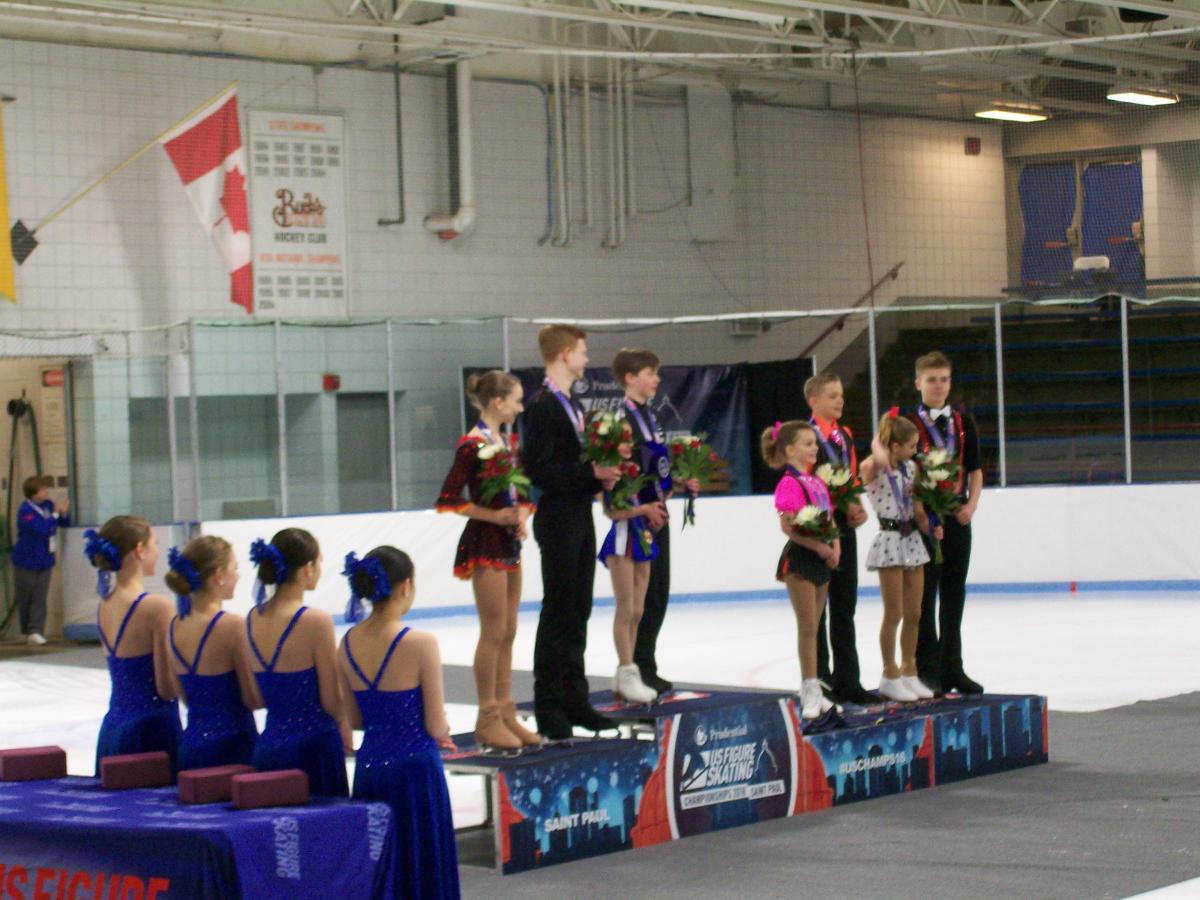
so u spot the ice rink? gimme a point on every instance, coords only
(1087, 651)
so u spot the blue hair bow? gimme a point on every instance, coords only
(185, 567)
(261, 552)
(97, 546)
(381, 587)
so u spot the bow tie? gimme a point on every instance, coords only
(936, 414)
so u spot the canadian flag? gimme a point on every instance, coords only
(207, 152)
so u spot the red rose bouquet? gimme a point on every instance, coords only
(692, 458)
(500, 474)
(604, 433)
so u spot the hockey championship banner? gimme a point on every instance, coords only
(298, 212)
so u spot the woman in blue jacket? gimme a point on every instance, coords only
(38, 518)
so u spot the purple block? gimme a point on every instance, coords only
(135, 770)
(288, 787)
(33, 763)
(212, 785)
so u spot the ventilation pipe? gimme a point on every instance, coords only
(450, 226)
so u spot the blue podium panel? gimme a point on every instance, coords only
(715, 760)
(70, 838)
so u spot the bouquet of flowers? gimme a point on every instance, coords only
(501, 474)
(844, 487)
(936, 487)
(604, 434)
(692, 458)
(625, 492)
(624, 495)
(814, 522)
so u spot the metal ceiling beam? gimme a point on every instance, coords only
(1177, 11)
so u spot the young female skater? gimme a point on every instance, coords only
(211, 662)
(294, 658)
(143, 715)
(898, 553)
(489, 554)
(806, 564)
(391, 678)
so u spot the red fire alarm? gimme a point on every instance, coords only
(972, 146)
(331, 382)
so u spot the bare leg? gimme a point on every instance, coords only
(491, 600)
(622, 570)
(803, 595)
(891, 586)
(641, 581)
(914, 588)
(508, 635)
(508, 709)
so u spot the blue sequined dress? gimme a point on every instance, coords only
(299, 733)
(138, 720)
(220, 730)
(400, 764)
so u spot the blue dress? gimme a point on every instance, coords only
(299, 733)
(220, 730)
(138, 720)
(622, 540)
(400, 764)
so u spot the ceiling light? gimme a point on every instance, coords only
(1013, 112)
(1142, 96)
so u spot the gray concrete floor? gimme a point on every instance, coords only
(1116, 812)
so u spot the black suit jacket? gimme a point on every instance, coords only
(552, 453)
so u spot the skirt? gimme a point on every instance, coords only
(797, 560)
(622, 540)
(889, 549)
(486, 544)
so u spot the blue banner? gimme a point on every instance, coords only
(690, 400)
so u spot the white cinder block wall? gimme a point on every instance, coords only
(132, 254)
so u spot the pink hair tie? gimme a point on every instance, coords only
(775, 430)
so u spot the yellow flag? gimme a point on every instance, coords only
(8, 285)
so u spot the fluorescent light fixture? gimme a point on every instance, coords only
(741, 14)
(1013, 112)
(1142, 96)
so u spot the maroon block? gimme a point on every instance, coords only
(212, 785)
(33, 763)
(288, 787)
(135, 770)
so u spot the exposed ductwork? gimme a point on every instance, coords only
(449, 226)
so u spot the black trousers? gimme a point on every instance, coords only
(839, 612)
(939, 641)
(567, 540)
(655, 610)
(31, 587)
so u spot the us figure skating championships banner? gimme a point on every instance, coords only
(726, 760)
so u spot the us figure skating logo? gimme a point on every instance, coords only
(730, 767)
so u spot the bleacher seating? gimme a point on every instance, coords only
(1064, 410)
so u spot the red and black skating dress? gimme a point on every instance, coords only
(482, 543)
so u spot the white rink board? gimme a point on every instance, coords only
(1022, 536)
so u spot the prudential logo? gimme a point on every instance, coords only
(701, 736)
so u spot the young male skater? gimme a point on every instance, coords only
(826, 399)
(565, 534)
(636, 370)
(941, 426)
